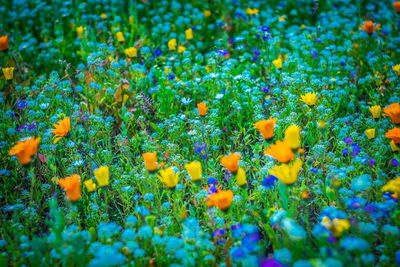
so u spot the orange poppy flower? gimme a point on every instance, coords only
(61, 129)
(281, 151)
(370, 27)
(266, 127)
(72, 187)
(394, 134)
(150, 161)
(231, 162)
(221, 199)
(396, 6)
(202, 107)
(24, 150)
(393, 111)
(4, 43)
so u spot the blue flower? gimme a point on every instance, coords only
(145, 232)
(352, 243)
(142, 211)
(157, 52)
(283, 255)
(128, 234)
(106, 255)
(269, 182)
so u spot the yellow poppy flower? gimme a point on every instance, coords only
(277, 63)
(120, 37)
(292, 136)
(375, 111)
(241, 177)
(8, 73)
(336, 226)
(370, 133)
(172, 44)
(392, 186)
(394, 146)
(194, 170)
(131, 52)
(396, 69)
(181, 49)
(90, 185)
(189, 34)
(207, 13)
(168, 177)
(287, 173)
(102, 175)
(81, 31)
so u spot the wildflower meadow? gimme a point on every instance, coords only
(200, 133)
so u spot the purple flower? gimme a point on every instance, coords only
(240, 15)
(171, 76)
(370, 208)
(266, 89)
(331, 239)
(356, 149)
(269, 182)
(269, 263)
(348, 140)
(395, 162)
(212, 180)
(157, 52)
(235, 226)
(21, 104)
(345, 152)
(222, 52)
(314, 53)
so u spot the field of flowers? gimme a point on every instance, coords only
(200, 133)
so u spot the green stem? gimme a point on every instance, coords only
(204, 141)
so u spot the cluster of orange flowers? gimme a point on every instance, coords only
(282, 151)
(221, 199)
(25, 149)
(72, 184)
(393, 111)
